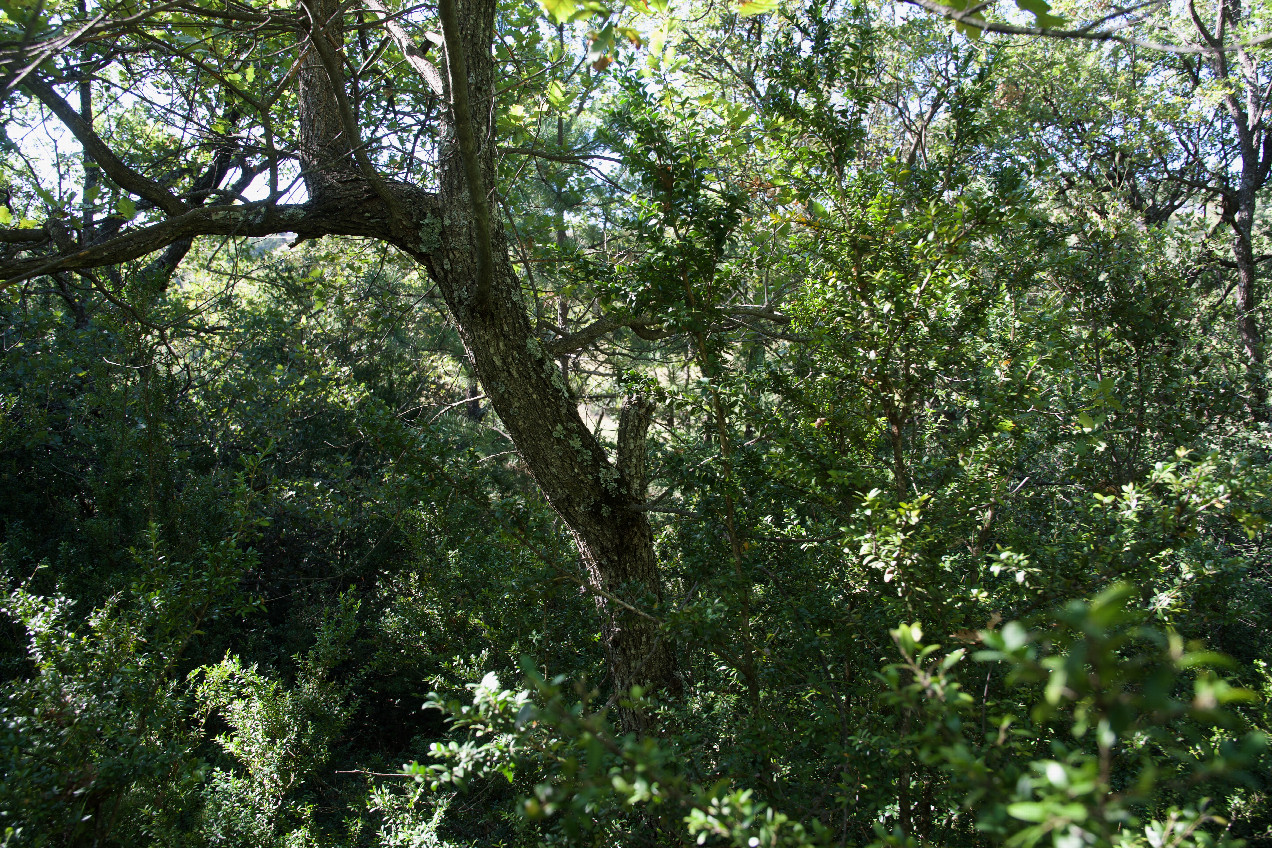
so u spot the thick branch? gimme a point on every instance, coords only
(768, 313)
(458, 68)
(114, 167)
(633, 424)
(230, 221)
(331, 64)
(414, 55)
(576, 341)
(357, 213)
(23, 236)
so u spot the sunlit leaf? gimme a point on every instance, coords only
(750, 8)
(559, 11)
(1041, 10)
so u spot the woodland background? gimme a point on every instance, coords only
(943, 344)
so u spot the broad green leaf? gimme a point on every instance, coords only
(1041, 10)
(1036, 811)
(1031, 811)
(564, 11)
(750, 8)
(561, 11)
(125, 207)
(558, 96)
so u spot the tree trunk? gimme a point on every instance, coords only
(1248, 299)
(523, 384)
(1243, 98)
(524, 387)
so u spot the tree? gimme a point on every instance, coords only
(177, 154)
(1212, 56)
(901, 378)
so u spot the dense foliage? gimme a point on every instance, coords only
(958, 469)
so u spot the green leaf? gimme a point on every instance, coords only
(750, 8)
(600, 45)
(125, 207)
(564, 11)
(558, 96)
(559, 10)
(1036, 811)
(1041, 10)
(6, 217)
(1030, 811)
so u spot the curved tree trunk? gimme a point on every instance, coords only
(521, 379)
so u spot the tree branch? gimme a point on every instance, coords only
(576, 341)
(22, 236)
(50, 48)
(768, 313)
(253, 220)
(355, 212)
(414, 55)
(331, 63)
(457, 67)
(567, 158)
(972, 21)
(114, 167)
(633, 425)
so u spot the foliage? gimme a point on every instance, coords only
(957, 469)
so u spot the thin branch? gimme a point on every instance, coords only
(114, 167)
(973, 22)
(567, 158)
(51, 48)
